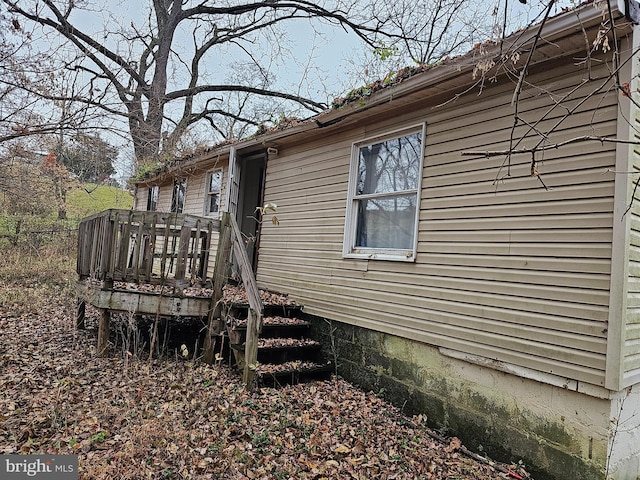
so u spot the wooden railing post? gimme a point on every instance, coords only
(103, 331)
(256, 310)
(80, 313)
(251, 347)
(107, 243)
(220, 276)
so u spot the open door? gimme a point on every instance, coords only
(245, 192)
(233, 183)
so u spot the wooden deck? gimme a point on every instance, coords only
(163, 264)
(127, 299)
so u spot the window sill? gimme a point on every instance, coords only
(395, 256)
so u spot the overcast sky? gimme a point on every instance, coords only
(334, 59)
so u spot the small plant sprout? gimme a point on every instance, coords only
(99, 437)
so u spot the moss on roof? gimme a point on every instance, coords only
(393, 78)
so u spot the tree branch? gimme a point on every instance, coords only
(306, 102)
(538, 148)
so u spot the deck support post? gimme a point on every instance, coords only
(80, 314)
(251, 348)
(221, 273)
(103, 331)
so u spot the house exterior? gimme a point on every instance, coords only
(499, 294)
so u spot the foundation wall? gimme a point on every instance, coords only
(557, 433)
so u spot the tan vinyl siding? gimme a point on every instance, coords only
(142, 196)
(505, 269)
(194, 200)
(631, 360)
(164, 197)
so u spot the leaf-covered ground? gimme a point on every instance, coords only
(128, 418)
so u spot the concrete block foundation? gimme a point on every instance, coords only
(558, 433)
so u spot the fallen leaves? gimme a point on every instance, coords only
(238, 295)
(294, 366)
(277, 343)
(454, 444)
(132, 419)
(270, 322)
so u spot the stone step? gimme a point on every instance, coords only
(281, 343)
(285, 354)
(273, 321)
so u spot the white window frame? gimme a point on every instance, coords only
(349, 250)
(208, 193)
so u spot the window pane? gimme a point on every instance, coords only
(214, 203)
(152, 198)
(390, 166)
(215, 182)
(179, 192)
(386, 222)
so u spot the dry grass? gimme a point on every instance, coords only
(29, 275)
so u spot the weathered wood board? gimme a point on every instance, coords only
(143, 302)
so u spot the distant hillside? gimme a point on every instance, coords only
(27, 221)
(80, 203)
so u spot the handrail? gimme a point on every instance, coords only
(256, 308)
(246, 269)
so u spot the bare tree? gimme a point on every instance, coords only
(159, 75)
(31, 102)
(19, 113)
(425, 33)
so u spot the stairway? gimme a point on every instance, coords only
(286, 353)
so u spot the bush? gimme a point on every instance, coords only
(30, 275)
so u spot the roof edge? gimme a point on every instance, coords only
(571, 22)
(567, 23)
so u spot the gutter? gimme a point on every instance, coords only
(565, 24)
(562, 25)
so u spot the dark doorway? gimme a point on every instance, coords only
(251, 196)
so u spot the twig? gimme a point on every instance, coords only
(615, 430)
(155, 325)
(583, 138)
(633, 196)
(332, 338)
(523, 74)
(479, 458)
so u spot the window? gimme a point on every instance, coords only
(384, 194)
(179, 193)
(213, 192)
(152, 198)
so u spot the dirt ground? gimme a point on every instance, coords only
(127, 418)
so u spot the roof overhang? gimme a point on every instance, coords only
(562, 36)
(189, 166)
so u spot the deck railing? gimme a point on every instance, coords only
(174, 250)
(146, 247)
